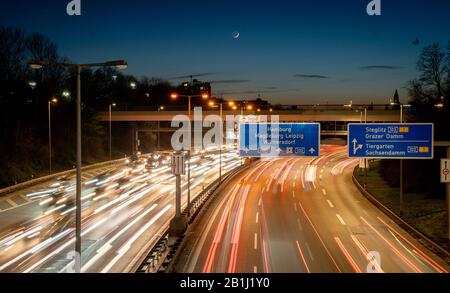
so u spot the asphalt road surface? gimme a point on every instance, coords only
(302, 215)
(124, 211)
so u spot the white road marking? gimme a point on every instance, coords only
(22, 196)
(330, 203)
(11, 202)
(257, 217)
(324, 191)
(255, 245)
(309, 250)
(340, 219)
(299, 224)
(259, 202)
(255, 269)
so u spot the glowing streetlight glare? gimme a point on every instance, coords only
(32, 84)
(234, 108)
(259, 110)
(54, 100)
(205, 96)
(211, 103)
(66, 94)
(133, 85)
(250, 107)
(113, 104)
(174, 96)
(231, 103)
(270, 110)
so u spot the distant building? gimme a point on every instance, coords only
(395, 100)
(194, 88)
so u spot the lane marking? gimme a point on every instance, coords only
(11, 202)
(255, 269)
(293, 194)
(299, 224)
(24, 197)
(259, 201)
(255, 245)
(324, 191)
(303, 258)
(309, 251)
(347, 255)
(330, 203)
(365, 252)
(428, 259)
(394, 249)
(257, 217)
(295, 207)
(340, 219)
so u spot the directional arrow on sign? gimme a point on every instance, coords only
(312, 150)
(356, 146)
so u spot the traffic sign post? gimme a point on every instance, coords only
(178, 223)
(390, 141)
(445, 172)
(279, 139)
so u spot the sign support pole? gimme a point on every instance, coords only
(178, 196)
(448, 199)
(179, 223)
(365, 159)
(401, 172)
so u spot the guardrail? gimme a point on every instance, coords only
(56, 175)
(158, 259)
(416, 233)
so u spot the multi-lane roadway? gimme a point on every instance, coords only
(124, 211)
(302, 215)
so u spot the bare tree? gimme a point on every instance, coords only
(40, 47)
(12, 53)
(432, 66)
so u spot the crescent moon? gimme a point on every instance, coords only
(236, 35)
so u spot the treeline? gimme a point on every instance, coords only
(429, 97)
(24, 96)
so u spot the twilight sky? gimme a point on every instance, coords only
(291, 52)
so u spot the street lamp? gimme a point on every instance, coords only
(50, 102)
(66, 94)
(175, 96)
(133, 85)
(110, 129)
(220, 105)
(32, 84)
(38, 64)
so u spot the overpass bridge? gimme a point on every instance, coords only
(157, 124)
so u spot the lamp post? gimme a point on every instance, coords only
(110, 129)
(220, 105)
(175, 96)
(38, 64)
(50, 102)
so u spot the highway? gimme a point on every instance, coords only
(289, 215)
(124, 211)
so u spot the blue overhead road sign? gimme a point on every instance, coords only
(279, 139)
(390, 141)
